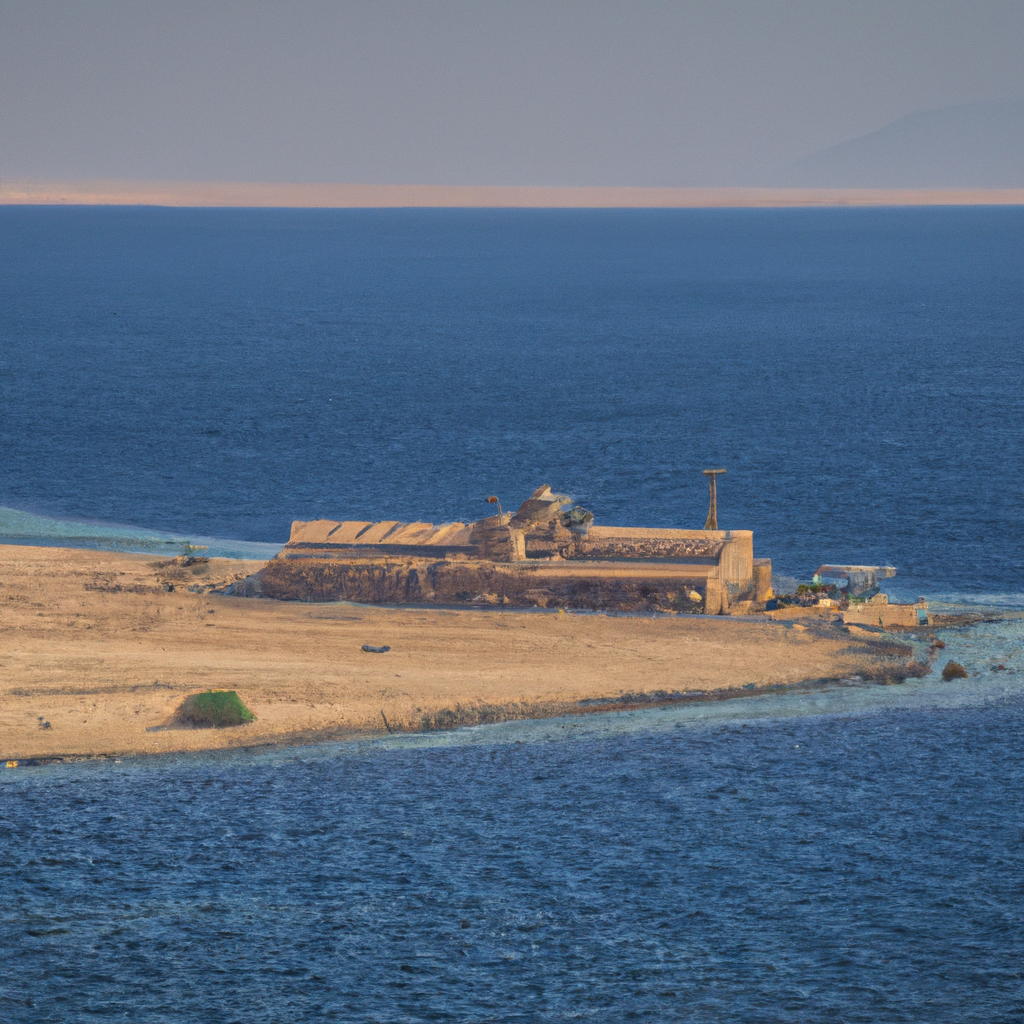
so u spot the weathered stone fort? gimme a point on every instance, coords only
(548, 554)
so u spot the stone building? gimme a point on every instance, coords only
(548, 554)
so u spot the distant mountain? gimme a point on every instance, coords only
(976, 146)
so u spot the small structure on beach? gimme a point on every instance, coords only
(853, 593)
(856, 580)
(547, 554)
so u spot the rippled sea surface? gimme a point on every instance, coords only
(852, 867)
(848, 854)
(222, 372)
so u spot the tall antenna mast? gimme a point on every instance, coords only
(711, 523)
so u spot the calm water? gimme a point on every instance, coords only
(222, 372)
(848, 855)
(843, 867)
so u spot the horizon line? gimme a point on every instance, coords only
(338, 195)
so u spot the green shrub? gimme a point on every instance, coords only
(214, 709)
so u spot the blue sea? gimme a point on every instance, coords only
(853, 854)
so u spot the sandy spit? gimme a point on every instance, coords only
(341, 195)
(105, 646)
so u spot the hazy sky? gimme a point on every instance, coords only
(448, 92)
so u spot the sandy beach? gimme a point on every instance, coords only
(105, 646)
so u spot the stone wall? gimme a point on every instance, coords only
(888, 616)
(476, 582)
(540, 556)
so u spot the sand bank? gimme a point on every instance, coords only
(105, 646)
(340, 195)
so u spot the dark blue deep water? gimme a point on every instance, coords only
(860, 373)
(789, 871)
(849, 856)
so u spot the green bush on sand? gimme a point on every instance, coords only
(213, 709)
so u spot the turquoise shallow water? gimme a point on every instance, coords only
(18, 527)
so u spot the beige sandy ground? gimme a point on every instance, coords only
(96, 644)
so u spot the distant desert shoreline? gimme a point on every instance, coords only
(98, 649)
(357, 196)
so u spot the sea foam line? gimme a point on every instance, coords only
(18, 527)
